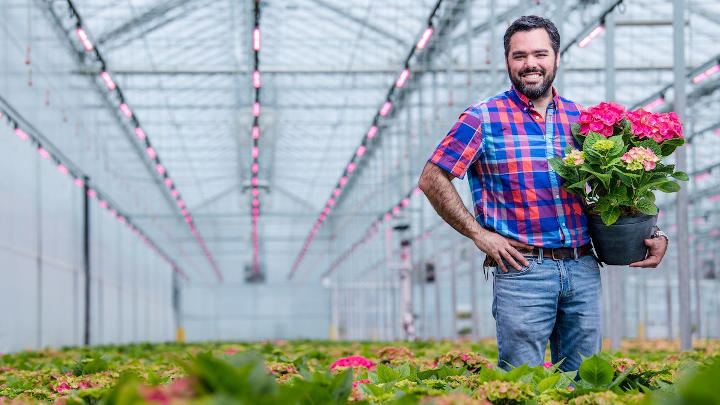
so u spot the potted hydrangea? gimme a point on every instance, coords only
(616, 172)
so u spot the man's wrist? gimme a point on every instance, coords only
(658, 233)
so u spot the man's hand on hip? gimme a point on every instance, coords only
(656, 251)
(499, 247)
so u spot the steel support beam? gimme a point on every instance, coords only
(681, 212)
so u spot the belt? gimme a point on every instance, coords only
(558, 253)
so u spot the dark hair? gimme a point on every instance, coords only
(531, 22)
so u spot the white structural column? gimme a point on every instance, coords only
(681, 209)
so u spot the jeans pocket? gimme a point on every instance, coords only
(512, 271)
(589, 262)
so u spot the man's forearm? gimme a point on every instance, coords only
(448, 204)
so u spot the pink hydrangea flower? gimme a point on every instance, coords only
(352, 361)
(62, 387)
(639, 158)
(547, 364)
(601, 118)
(655, 126)
(358, 382)
(574, 158)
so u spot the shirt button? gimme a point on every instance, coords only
(557, 195)
(563, 223)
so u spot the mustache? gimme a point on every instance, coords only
(527, 71)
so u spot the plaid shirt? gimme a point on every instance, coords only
(506, 145)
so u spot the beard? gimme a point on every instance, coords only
(534, 91)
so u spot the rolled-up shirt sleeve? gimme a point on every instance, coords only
(461, 147)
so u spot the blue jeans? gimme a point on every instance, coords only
(560, 301)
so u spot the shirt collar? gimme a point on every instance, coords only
(526, 101)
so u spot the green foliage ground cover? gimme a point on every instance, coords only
(313, 372)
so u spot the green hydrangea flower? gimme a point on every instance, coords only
(603, 145)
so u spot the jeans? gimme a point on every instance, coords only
(556, 300)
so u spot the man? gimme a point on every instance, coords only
(546, 283)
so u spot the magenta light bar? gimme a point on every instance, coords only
(403, 78)
(42, 152)
(658, 101)
(21, 134)
(108, 80)
(256, 39)
(336, 192)
(594, 33)
(715, 198)
(385, 109)
(351, 167)
(254, 168)
(91, 193)
(707, 73)
(425, 38)
(168, 182)
(255, 192)
(140, 133)
(256, 109)
(174, 193)
(701, 176)
(360, 151)
(126, 110)
(343, 180)
(371, 133)
(62, 169)
(151, 152)
(160, 168)
(84, 39)
(255, 151)
(256, 132)
(78, 182)
(256, 79)
(254, 181)
(103, 204)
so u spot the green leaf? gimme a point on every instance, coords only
(622, 376)
(404, 371)
(649, 143)
(559, 167)
(668, 186)
(342, 385)
(618, 146)
(604, 177)
(668, 146)
(596, 371)
(371, 389)
(386, 374)
(517, 373)
(610, 216)
(488, 374)
(548, 382)
(646, 207)
(681, 176)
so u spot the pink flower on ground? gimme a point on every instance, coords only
(547, 364)
(62, 387)
(358, 382)
(571, 388)
(83, 385)
(353, 361)
(230, 351)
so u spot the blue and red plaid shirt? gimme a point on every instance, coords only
(506, 145)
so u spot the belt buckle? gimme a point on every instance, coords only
(552, 254)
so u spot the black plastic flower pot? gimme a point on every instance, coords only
(623, 242)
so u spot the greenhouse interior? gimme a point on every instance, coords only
(226, 201)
